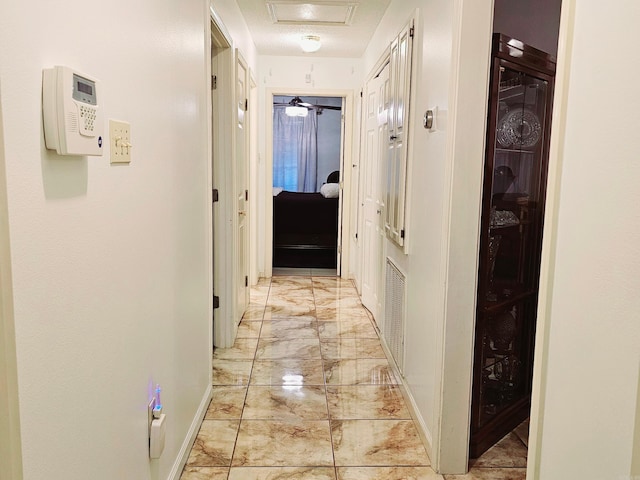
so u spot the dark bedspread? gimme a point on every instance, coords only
(305, 219)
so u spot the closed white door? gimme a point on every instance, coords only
(376, 133)
(242, 169)
(396, 171)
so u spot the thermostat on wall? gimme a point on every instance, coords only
(73, 122)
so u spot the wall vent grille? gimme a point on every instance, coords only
(395, 294)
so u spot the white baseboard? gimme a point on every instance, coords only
(423, 431)
(412, 406)
(190, 438)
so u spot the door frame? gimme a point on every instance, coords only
(469, 87)
(346, 160)
(465, 144)
(253, 179)
(10, 443)
(222, 148)
(378, 310)
(550, 237)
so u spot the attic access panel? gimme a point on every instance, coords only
(315, 12)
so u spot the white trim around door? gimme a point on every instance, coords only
(344, 228)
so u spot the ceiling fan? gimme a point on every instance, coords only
(296, 107)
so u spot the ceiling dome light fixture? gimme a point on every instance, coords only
(310, 43)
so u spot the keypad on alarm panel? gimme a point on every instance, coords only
(88, 114)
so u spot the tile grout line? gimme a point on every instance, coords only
(324, 382)
(246, 393)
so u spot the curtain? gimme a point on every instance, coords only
(295, 151)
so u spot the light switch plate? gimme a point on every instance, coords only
(120, 141)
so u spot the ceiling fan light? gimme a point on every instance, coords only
(296, 111)
(310, 43)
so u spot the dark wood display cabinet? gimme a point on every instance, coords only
(515, 178)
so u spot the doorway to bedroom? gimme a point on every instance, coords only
(306, 169)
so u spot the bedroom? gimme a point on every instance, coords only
(307, 152)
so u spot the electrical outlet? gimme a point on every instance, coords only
(120, 141)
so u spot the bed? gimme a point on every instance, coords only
(305, 230)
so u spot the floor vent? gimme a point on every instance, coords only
(394, 312)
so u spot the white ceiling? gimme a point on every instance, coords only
(344, 26)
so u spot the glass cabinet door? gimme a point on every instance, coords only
(515, 174)
(515, 202)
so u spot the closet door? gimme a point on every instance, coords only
(376, 133)
(396, 173)
(241, 187)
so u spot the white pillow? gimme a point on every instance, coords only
(277, 190)
(330, 190)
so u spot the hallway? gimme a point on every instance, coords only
(306, 392)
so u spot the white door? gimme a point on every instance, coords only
(224, 211)
(401, 53)
(376, 132)
(242, 193)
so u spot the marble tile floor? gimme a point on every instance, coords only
(506, 460)
(306, 392)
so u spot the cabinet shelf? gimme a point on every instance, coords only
(501, 227)
(504, 302)
(515, 150)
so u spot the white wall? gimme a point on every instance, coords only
(10, 452)
(325, 73)
(588, 378)
(445, 175)
(111, 264)
(422, 266)
(229, 19)
(228, 12)
(533, 22)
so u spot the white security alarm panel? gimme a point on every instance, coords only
(73, 122)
